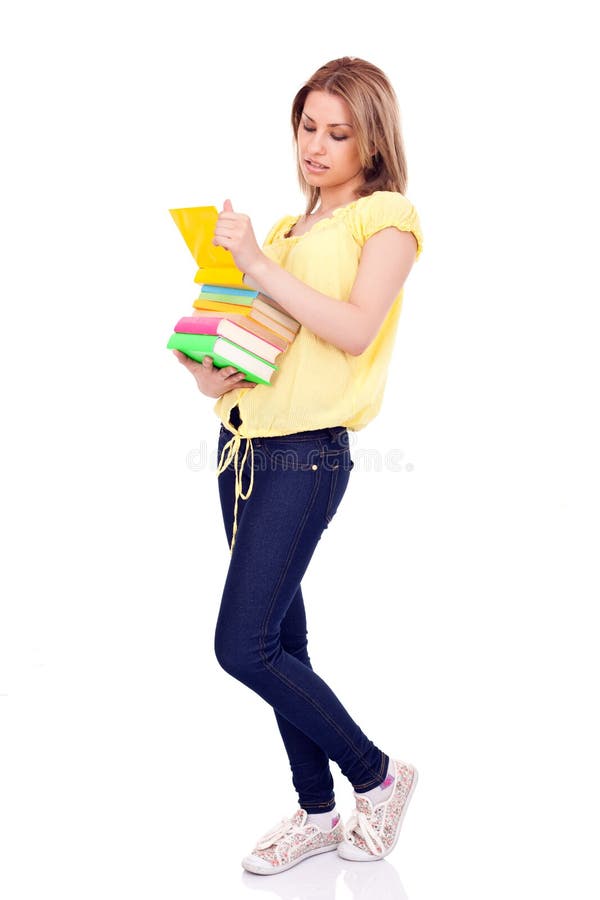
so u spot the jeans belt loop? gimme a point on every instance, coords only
(335, 432)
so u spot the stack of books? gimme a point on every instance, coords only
(234, 325)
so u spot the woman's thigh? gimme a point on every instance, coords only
(297, 488)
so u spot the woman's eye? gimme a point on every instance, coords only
(336, 137)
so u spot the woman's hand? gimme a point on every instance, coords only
(234, 232)
(212, 381)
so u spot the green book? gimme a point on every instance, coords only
(223, 353)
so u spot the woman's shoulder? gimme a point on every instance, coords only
(381, 203)
(382, 209)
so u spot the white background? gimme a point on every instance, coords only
(451, 603)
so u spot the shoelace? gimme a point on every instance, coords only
(359, 821)
(231, 451)
(283, 833)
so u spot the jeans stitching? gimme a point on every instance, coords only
(263, 633)
(310, 806)
(277, 456)
(295, 438)
(269, 611)
(332, 487)
(324, 714)
(318, 434)
(374, 782)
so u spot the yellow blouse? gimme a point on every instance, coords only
(317, 384)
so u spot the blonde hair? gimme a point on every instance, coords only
(376, 119)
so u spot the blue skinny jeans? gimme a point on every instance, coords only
(261, 633)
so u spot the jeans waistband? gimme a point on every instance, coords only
(335, 433)
(332, 432)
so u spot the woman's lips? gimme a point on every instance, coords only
(314, 166)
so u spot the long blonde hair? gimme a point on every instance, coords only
(376, 119)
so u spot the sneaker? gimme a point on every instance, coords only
(372, 831)
(289, 843)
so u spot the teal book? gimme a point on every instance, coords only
(219, 289)
(223, 353)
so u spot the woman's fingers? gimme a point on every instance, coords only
(185, 360)
(236, 378)
(207, 369)
(231, 224)
(225, 231)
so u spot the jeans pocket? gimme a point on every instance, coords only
(290, 455)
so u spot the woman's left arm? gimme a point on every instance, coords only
(386, 260)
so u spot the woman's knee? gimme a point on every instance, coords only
(296, 645)
(237, 657)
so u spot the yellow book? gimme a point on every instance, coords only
(197, 227)
(223, 308)
(226, 276)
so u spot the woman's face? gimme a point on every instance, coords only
(327, 144)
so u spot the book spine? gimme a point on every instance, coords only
(198, 325)
(242, 300)
(223, 308)
(220, 289)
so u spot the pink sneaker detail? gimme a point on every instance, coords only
(372, 831)
(289, 842)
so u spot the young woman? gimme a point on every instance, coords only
(339, 270)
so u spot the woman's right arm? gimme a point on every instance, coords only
(212, 381)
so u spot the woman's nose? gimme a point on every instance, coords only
(315, 144)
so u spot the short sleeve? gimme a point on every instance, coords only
(279, 229)
(384, 209)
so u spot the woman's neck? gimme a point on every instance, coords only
(333, 199)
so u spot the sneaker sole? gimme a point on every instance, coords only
(256, 869)
(371, 858)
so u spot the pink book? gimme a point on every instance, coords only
(233, 331)
(198, 324)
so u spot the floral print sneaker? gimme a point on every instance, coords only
(291, 841)
(372, 831)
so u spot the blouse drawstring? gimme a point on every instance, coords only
(231, 451)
